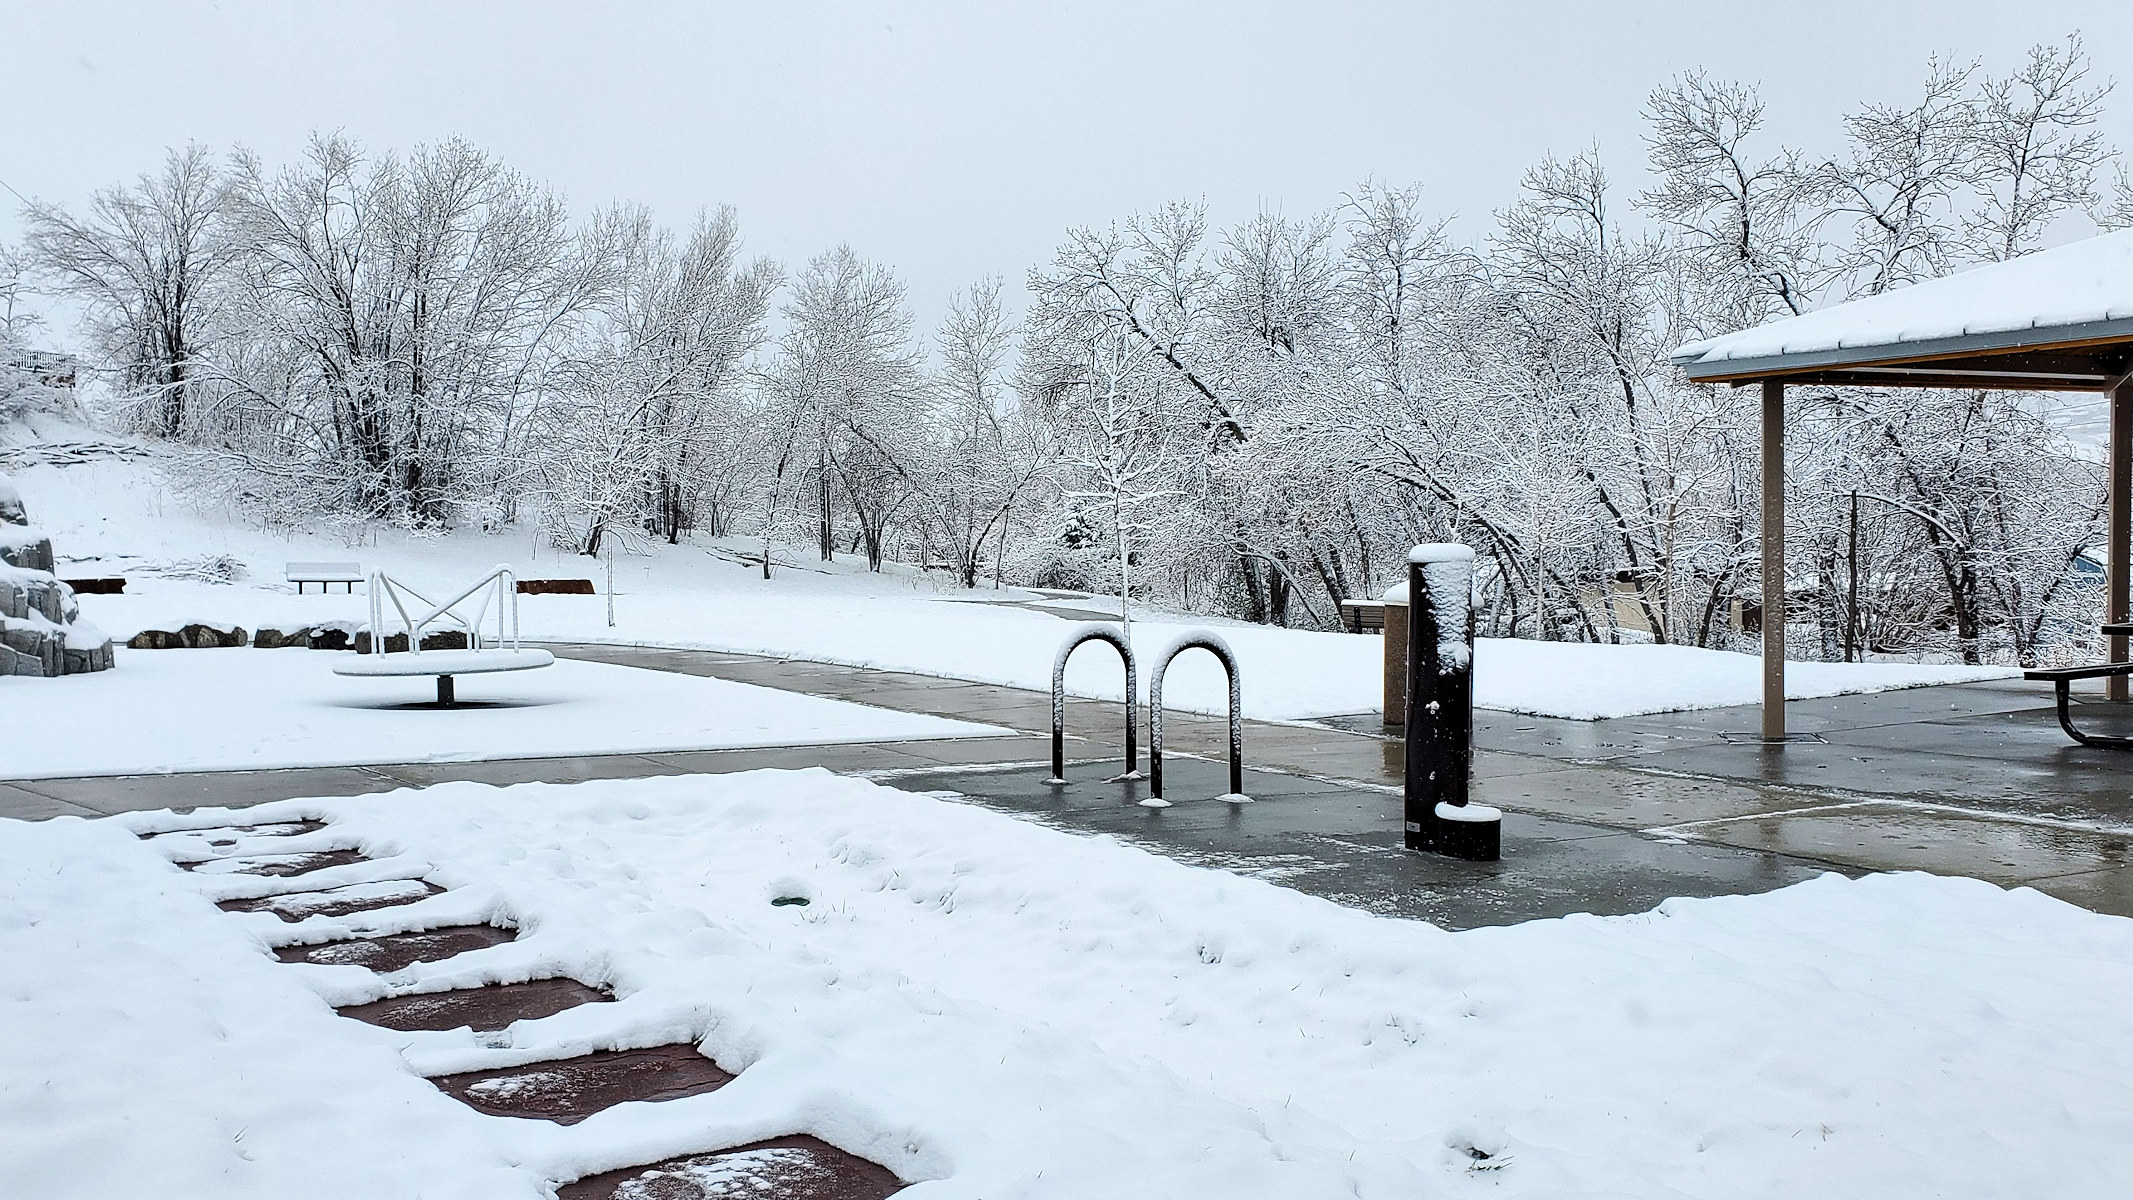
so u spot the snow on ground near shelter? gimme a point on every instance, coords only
(116, 518)
(1008, 1010)
(219, 710)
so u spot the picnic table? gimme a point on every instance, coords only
(324, 574)
(2062, 678)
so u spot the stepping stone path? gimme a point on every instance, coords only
(483, 1009)
(564, 1090)
(395, 951)
(569, 1090)
(338, 902)
(278, 865)
(788, 1168)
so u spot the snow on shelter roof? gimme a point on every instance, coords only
(2076, 295)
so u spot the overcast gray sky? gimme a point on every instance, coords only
(956, 139)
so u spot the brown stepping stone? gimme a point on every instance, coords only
(227, 835)
(786, 1168)
(393, 951)
(483, 1009)
(568, 1090)
(338, 902)
(281, 866)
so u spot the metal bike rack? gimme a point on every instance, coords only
(1093, 633)
(1208, 640)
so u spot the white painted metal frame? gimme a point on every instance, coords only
(499, 586)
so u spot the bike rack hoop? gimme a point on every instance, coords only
(1210, 641)
(1094, 631)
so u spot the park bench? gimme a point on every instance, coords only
(1363, 616)
(2061, 678)
(324, 574)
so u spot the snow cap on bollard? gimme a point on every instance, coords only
(1396, 594)
(1436, 552)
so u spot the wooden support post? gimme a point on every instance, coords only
(2118, 535)
(1395, 640)
(1773, 560)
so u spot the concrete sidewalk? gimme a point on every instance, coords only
(1968, 779)
(1607, 816)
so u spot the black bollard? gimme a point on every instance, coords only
(1440, 708)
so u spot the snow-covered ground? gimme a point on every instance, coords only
(117, 518)
(213, 710)
(1008, 1010)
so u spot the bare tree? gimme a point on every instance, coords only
(2038, 151)
(1740, 213)
(146, 262)
(846, 389)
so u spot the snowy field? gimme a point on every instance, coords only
(116, 518)
(217, 710)
(1006, 1010)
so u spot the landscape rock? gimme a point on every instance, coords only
(41, 643)
(41, 632)
(396, 643)
(199, 636)
(21, 546)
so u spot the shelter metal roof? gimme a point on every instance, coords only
(2055, 320)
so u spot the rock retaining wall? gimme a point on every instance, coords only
(41, 630)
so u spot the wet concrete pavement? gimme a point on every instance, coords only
(1607, 816)
(1343, 843)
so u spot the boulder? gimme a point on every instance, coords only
(21, 546)
(264, 638)
(41, 644)
(40, 628)
(198, 636)
(54, 599)
(331, 637)
(396, 643)
(155, 639)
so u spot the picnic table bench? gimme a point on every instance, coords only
(2062, 678)
(324, 574)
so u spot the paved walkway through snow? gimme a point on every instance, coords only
(1606, 816)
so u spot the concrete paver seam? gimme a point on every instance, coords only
(1837, 798)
